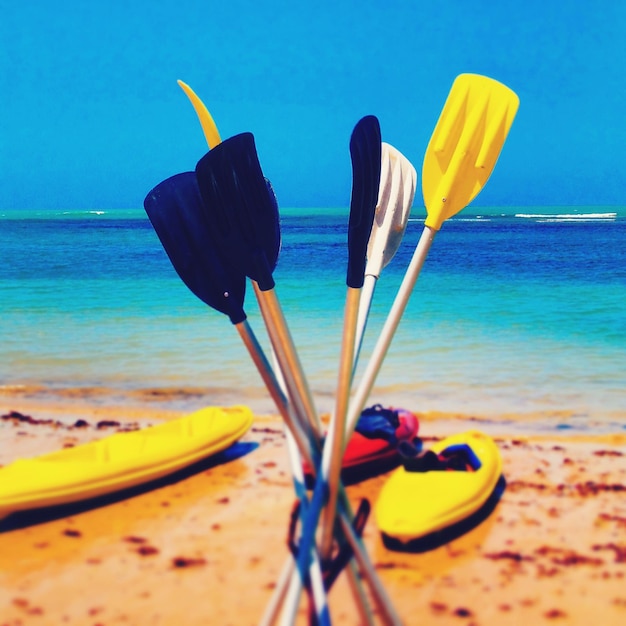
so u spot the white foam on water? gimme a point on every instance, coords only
(568, 217)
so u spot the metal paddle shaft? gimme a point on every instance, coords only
(391, 324)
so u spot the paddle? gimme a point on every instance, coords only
(213, 139)
(244, 224)
(459, 159)
(395, 199)
(365, 153)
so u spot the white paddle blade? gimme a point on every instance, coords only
(395, 198)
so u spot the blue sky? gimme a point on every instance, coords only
(92, 116)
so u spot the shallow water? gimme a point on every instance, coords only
(515, 311)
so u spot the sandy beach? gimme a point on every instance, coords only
(207, 547)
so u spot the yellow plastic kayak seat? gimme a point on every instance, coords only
(120, 461)
(415, 504)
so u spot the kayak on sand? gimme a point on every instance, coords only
(121, 461)
(438, 488)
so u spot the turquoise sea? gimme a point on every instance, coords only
(516, 311)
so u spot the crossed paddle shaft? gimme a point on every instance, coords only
(219, 225)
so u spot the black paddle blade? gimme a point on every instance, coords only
(365, 152)
(241, 208)
(176, 213)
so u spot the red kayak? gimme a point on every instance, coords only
(374, 443)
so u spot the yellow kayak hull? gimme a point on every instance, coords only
(414, 505)
(120, 461)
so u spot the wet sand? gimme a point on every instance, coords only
(207, 547)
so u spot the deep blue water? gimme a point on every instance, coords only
(512, 313)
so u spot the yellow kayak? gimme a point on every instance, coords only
(123, 460)
(415, 504)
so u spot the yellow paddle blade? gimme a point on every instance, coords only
(206, 120)
(465, 144)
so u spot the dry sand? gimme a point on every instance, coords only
(208, 547)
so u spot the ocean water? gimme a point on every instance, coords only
(516, 311)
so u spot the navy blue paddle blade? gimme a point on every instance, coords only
(365, 152)
(241, 208)
(175, 210)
